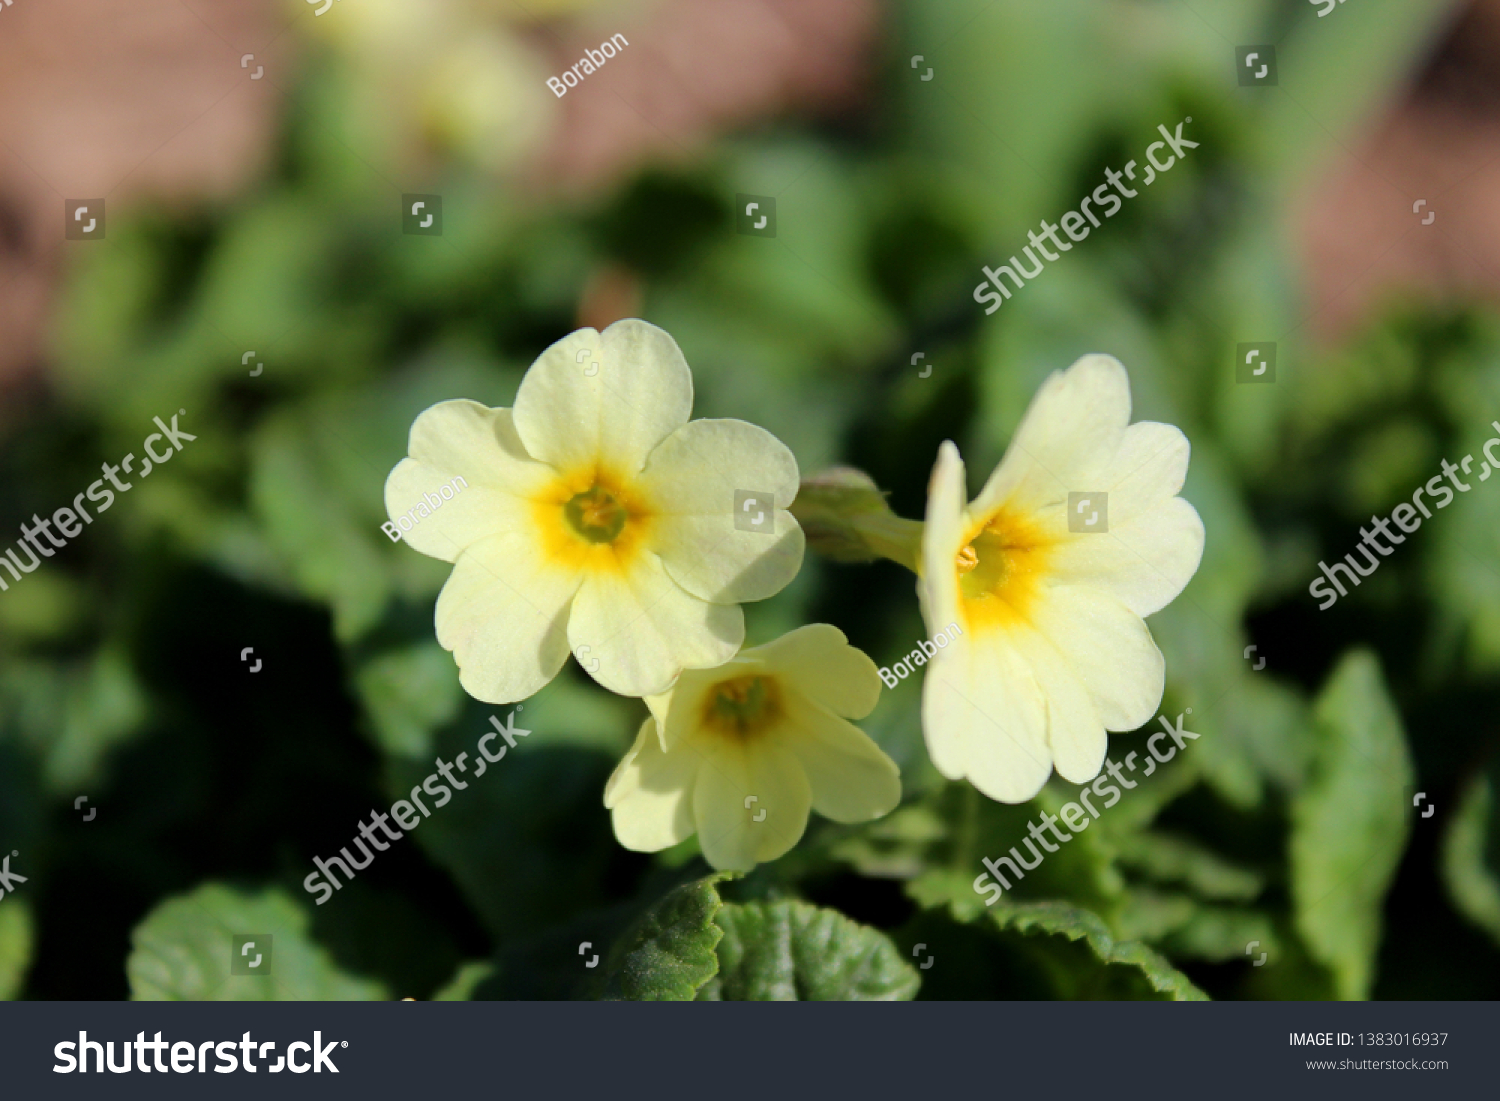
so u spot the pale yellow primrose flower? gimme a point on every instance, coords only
(596, 518)
(739, 754)
(1054, 651)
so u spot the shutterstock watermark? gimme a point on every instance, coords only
(1073, 224)
(1327, 6)
(67, 519)
(404, 811)
(1075, 816)
(8, 878)
(1406, 518)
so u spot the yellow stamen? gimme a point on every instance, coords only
(742, 707)
(589, 519)
(596, 515)
(1000, 570)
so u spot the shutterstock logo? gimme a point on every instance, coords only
(190, 1058)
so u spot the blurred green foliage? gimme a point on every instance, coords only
(1289, 823)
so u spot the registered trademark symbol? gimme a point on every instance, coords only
(345, 1043)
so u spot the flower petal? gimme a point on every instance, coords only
(692, 479)
(1111, 649)
(851, 779)
(818, 662)
(942, 539)
(465, 437)
(462, 519)
(650, 794)
(985, 718)
(1145, 563)
(643, 629)
(1075, 733)
(474, 452)
(771, 778)
(1146, 470)
(639, 392)
(504, 614)
(1071, 430)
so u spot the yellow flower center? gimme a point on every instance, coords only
(1000, 570)
(742, 707)
(590, 519)
(596, 515)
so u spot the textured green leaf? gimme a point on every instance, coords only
(182, 951)
(1131, 969)
(15, 946)
(1474, 833)
(668, 954)
(1350, 821)
(788, 950)
(1062, 919)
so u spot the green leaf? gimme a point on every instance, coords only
(1350, 821)
(408, 694)
(15, 946)
(788, 950)
(1472, 882)
(1166, 858)
(1151, 915)
(975, 828)
(1186, 928)
(328, 533)
(1463, 576)
(318, 472)
(1131, 970)
(46, 608)
(73, 714)
(183, 950)
(1065, 920)
(529, 842)
(668, 954)
(461, 987)
(893, 847)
